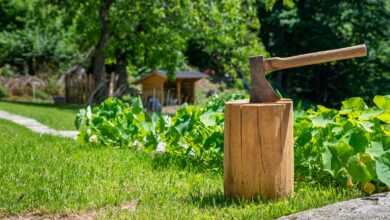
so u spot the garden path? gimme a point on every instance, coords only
(36, 126)
(376, 206)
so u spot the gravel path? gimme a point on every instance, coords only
(36, 126)
(372, 207)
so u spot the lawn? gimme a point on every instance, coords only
(55, 116)
(57, 175)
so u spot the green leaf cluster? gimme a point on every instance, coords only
(195, 133)
(351, 145)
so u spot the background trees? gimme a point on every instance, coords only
(134, 36)
(304, 26)
(35, 37)
(145, 35)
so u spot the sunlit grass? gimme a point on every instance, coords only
(58, 175)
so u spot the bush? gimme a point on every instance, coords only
(7, 70)
(3, 92)
(193, 132)
(39, 94)
(351, 146)
(54, 88)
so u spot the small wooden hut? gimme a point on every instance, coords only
(170, 92)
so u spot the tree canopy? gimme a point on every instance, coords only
(219, 35)
(305, 26)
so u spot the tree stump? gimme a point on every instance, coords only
(258, 150)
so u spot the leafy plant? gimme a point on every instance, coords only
(195, 133)
(350, 145)
(217, 102)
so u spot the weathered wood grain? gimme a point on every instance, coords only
(259, 149)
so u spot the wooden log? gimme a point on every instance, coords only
(258, 149)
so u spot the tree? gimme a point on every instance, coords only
(35, 36)
(225, 37)
(148, 35)
(301, 26)
(99, 72)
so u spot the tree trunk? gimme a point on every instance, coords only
(121, 71)
(99, 72)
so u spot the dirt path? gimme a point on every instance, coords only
(36, 126)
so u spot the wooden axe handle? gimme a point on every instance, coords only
(277, 63)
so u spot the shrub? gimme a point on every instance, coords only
(351, 146)
(40, 94)
(3, 92)
(7, 70)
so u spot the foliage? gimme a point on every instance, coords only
(41, 95)
(351, 145)
(224, 36)
(299, 26)
(7, 70)
(35, 37)
(47, 36)
(219, 35)
(217, 102)
(3, 92)
(193, 132)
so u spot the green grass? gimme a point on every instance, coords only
(55, 116)
(57, 175)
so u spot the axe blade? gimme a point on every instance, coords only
(261, 90)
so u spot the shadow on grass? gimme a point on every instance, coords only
(217, 199)
(161, 161)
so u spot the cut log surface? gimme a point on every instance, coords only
(258, 149)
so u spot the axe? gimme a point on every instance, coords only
(261, 90)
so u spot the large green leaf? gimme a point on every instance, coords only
(376, 149)
(341, 150)
(370, 114)
(385, 117)
(320, 122)
(303, 138)
(358, 140)
(358, 169)
(355, 103)
(327, 161)
(382, 102)
(383, 168)
(210, 118)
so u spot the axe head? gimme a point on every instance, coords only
(261, 90)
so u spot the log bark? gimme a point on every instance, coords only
(258, 151)
(121, 71)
